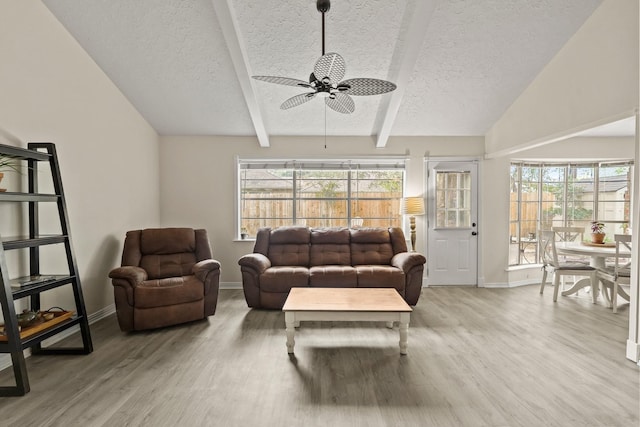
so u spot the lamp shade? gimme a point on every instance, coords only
(412, 206)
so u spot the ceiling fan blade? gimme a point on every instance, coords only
(283, 81)
(294, 101)
(330, 65)
(341, 102)
(364, 87)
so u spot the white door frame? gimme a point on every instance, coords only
(426, 171)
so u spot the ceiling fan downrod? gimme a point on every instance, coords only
(323, 6)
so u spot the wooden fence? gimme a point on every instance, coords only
(272, 209)
(529, 212)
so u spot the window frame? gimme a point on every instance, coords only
(568, 201)
(351, 166)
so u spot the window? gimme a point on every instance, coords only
(327, 193)
(544, 195)
(453, 199)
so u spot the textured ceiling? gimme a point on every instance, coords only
(185, 64)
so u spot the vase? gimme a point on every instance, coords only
(597, 238)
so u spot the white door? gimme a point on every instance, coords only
(452, 218)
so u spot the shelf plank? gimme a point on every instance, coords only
(25, 242)
(45, 325)
(11, 196)
(23, 153)
(40, 336)
(28, 290)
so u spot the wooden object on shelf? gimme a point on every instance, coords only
(15, 339)
(27, 331)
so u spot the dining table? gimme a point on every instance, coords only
(597, 254)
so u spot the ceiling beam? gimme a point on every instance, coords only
(416, 30)
(231, 31)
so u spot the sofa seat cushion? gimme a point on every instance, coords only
(283, 278)
(170, 291)
(333, 276)
(380, 276)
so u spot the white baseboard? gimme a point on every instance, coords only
(513, 284)
(633, 351)
(230, 285)
(5, 359)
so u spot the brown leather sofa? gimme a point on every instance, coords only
(287, 257)
(167, 277)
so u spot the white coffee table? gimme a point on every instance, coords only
(346, 304)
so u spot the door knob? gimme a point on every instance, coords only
(473, 233)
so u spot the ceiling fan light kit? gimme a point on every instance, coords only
(325, 80)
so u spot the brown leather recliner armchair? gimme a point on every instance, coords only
(167, 277)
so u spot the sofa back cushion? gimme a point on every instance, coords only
(371, 246)
(167, 252)
(330, 246)
(289, 246)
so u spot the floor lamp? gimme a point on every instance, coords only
(412, 206)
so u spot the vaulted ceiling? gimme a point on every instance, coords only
(186, 64)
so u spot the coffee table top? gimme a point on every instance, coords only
(345, 299)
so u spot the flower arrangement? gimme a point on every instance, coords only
(597, 227)
(8, 164)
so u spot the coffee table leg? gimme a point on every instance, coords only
(289, 321)
(404, 332)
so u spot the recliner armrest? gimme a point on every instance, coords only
(132, 275)
(255, 261)
(202, 268)
(125, 280)
(407, 260)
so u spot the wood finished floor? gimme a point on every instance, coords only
(477, 357)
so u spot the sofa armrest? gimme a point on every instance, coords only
(128, 274)
(255, 261)
(208, 272)
(202, 268)
(405, 261)
(125, 279)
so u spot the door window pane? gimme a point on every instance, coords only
(453, 199)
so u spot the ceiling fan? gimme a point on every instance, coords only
(326, 80)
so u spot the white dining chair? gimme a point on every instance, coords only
(549, 255)
(570, 234)
(620, 272)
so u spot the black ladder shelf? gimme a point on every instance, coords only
(36, 153)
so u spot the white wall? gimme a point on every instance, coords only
(199, 175)
(52, 91)
(593, 79)
(198, 185)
